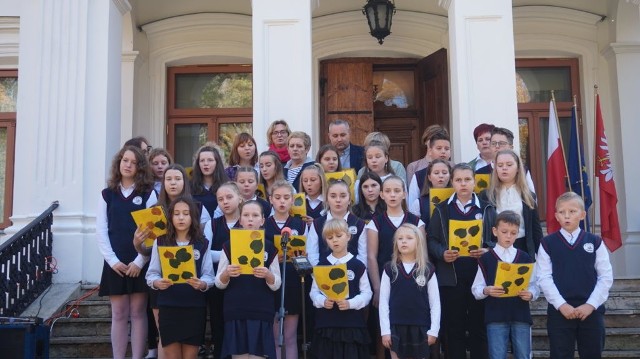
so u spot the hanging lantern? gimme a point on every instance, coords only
(379, 14)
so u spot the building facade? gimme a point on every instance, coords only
(80, 77)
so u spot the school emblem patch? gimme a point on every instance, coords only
(350, 275)
(353, 229)
(588, 247)
(478, 215)
(196, 254)
(421, 281)
(137, 200)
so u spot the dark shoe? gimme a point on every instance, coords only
(202, 351)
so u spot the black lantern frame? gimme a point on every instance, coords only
(379, 14)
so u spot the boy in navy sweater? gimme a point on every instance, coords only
(575, 275)
(505, 317)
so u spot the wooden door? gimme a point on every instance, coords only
(433, 82)
(346, 93)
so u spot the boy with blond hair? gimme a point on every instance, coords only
(575, 275)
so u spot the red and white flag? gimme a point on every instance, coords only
(609, 225)
(556, 170)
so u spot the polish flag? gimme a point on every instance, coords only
(556, 170)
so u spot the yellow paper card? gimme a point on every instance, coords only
(297, 246)
(177, 263)
(299, 207)
(465, 236)
(262, 193)
(438, 195)
(247, 249)
(513, 277)
(482, 182)
(332, 281)
(189, 171)
(348, 176)
(154, 219)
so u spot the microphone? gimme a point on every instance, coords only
(284, 239)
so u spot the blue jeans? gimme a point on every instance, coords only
(498, 335)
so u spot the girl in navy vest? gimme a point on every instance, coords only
(438, 176)
(508, 190)
(247, 181)
(208, 174)
(182, 307)
(174, 185)
(340, 326)
(249, 299)
(461, 312)
(159, 159)
(282, 199)
(507, 317)
(217, 233)
(312, 183)
(329, 158)
(337, 203)
(130, 188)
(270, 170)
(369, 203)
(380, 231)
(377, 160)
(409, 297)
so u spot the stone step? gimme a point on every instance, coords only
(96, 308)
(76, 327)
(82, 347)
(617, 339)
(609, 354)
(617, 300)
(619, 318)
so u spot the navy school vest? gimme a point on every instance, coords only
(421, 176)
(386, 231)
(208, 200)
(508, 309)
(408, 296)
(120, 224)
(248, 297)
(573, 266)
(183, 295)
(356, 226)
(425, 209)
(221, 234)
(315, 212)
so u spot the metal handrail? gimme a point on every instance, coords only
(25, 258)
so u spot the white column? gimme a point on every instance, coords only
(625, 55)
(68, 124)
(482, 66)
(282, 80)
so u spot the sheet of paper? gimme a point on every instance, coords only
(332, 281)
(247, 249)
(437, 196)
(348, 176)
(513, 277)
(297, 246)
(154, 219)
(465, 236)
(299, 208)
(482, 182)
(177, 263)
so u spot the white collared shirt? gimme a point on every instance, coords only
(510, 199)
(358, 302)
(506, 255)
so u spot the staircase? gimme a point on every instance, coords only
(88, 336)
(622, 321)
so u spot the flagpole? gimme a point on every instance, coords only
(575, 111)
(564, 155)
(595, 165)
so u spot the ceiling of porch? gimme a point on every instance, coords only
(149, 11)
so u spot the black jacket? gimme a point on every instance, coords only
(438, 239)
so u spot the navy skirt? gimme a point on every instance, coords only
(184, 325)
(253, 337)
(409, 341)
(113, 284)
(340, 343)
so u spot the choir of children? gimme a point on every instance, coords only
(428, 281)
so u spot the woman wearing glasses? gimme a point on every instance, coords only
(277, 136)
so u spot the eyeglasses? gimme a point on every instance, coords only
(499, 144)
(280, 133)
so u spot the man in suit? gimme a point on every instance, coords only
(351, 156)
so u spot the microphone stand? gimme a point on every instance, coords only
(281, 312)
(304, 320)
